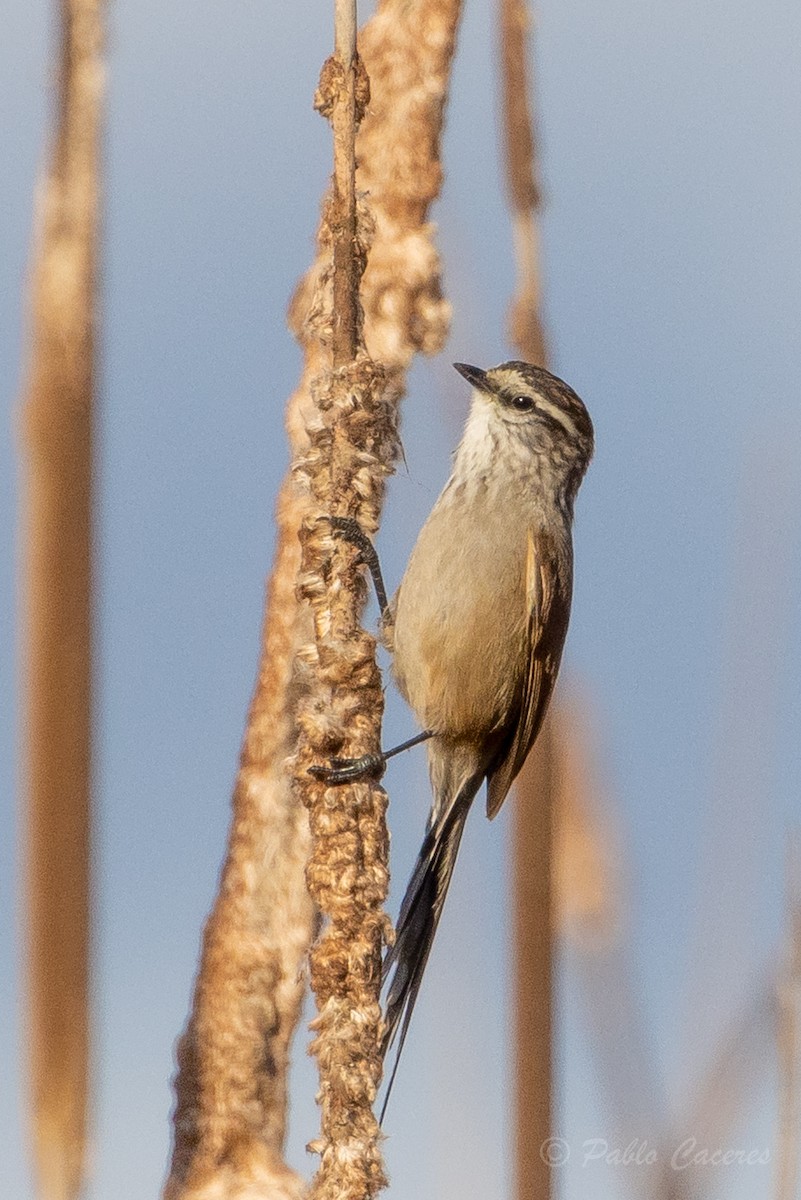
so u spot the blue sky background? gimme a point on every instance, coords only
(670, 158)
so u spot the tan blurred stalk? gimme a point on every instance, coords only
(57, 427)
(590, 912)
(789, 1035)
(586, 867)
(560, 868)
(525, 313)
(532, 932)
(533, 810)
(563, 881)
(231, 1086)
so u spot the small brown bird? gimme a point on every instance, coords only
(477, 626)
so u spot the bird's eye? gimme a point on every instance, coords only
(523, 403)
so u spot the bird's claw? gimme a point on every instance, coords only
(350, 529)
(346, 770)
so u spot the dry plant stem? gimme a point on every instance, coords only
(57, 427)
(534, 810)
(545, 803)
(588, 911)
(789, 1034)
(532, 846)
(586, 868)
(406, 48)
(348, 264)
(353, 445)
(233, 1058)
(525, 319)
(342, 709)
(231, 1084)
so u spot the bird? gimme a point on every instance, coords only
(476, 629)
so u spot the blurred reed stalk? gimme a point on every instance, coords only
(523, 192)
(533, 811)
(231, 1097)
(561, 867)
(564, 883)
(57, 425)
(591, 919)
(532, 933)
(586, 863)
(789, 1034)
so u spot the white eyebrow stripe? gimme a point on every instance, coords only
(558, 414)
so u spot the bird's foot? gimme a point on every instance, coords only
(351, 531)
(346, 770)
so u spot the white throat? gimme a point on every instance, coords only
(493, 455)
(479, 445)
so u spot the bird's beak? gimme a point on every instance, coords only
(473, 375)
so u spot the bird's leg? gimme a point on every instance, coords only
(351, 531)
(345, 770)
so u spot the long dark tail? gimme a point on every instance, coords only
(420, 912)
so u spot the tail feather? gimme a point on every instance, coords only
(420, 912)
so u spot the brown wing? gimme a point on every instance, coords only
(548, 593)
